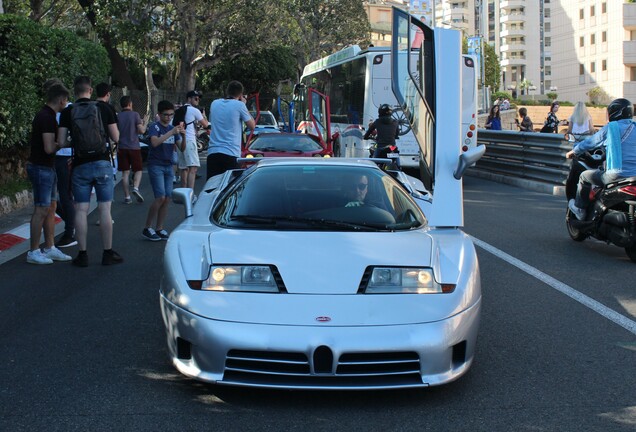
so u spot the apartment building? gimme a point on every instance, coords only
(593, 47)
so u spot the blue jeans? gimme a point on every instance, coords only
(586, 180)
(44, 183)
(98, 175)
(161, 177)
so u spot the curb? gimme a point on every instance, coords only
(534, 185)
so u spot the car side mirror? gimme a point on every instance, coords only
(468, 159)
(183, 196)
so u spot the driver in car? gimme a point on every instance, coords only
(356, 191)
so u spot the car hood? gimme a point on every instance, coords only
(321, 262)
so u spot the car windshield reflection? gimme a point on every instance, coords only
(318, 198)
(283, 143)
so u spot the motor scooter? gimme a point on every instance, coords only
(611, 213)
(203, 138)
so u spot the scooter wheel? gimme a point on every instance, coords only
(631, 252)
(575, 233)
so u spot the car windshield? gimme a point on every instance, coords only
(318, 197)
(294, 143)
(266, 119)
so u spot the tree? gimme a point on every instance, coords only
(525, 85)
(492, 68)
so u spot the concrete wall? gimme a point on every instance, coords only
(539, 113)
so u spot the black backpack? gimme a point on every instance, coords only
(87, 130)
(179, 115)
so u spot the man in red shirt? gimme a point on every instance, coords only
(41, 172)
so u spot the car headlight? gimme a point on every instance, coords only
(247, 278)
(402, 280)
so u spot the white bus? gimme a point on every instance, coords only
(359, 81)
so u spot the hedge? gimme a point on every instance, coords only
(29, 55)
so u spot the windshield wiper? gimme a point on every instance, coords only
(275, 220)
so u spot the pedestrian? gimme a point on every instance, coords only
(580, 122)
(505, 105)
(65, 207)
(103, 92)
(41, 172)
(91, 165)
(493, 121)
(526, 124)
(552, 123)
(189, 158)
(227, 117)
(163, 139)
(130, 125)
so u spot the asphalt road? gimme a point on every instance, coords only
(83, 348)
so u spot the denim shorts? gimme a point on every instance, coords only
(98, 175)
(161, 177)
(44, 181)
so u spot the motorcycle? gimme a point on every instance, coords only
(203, 139)
(611, 214)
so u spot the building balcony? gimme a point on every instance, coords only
(629, 16)
(513, 46)
(629, 53)
(509, 4)
(514, 61)
(515, 31)
(629, 90)
(513, 17)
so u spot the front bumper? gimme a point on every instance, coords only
(315, 357)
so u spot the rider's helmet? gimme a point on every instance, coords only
(385, 110)
(620, 109)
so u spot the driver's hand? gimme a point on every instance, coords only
(570, 154)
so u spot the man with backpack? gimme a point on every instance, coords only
(90, 125)
(189, 114)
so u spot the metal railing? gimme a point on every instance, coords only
(529, 155)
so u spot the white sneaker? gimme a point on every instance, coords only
(37, 257)
(578, 212)
(194, 198)
(55, 254)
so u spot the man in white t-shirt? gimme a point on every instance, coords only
(189, 158)
(227, 117)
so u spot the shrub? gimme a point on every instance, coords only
(494, 96)
(29, 55)
(552, 96)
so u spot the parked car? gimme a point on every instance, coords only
(318, 273)
(266, 123)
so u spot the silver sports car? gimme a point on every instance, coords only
(318, 274)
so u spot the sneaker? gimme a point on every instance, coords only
(55, 254)
(37, 257)
(128, 200)
(66, 241)
(110, 257)
(150, 234)
(81, 260)
(578, 212)
(177, 179)
(194, 198)
(163, 234)
(137, 195)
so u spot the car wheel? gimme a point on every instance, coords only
(574, 233)
(631, 252)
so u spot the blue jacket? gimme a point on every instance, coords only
(628, 145)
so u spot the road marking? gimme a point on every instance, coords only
(597, 307)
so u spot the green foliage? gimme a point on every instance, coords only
(598, 96)
(496, 95)
(13, 186)
(29, 55)
(492, 68)
(552, 96)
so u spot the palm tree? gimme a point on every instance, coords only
(525, 85)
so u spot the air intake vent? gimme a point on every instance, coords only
(323, 360)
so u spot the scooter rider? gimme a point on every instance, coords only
(386, 128)
(619, 138)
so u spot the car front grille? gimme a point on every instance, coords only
(293, 369)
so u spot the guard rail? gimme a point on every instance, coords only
(528, 155)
